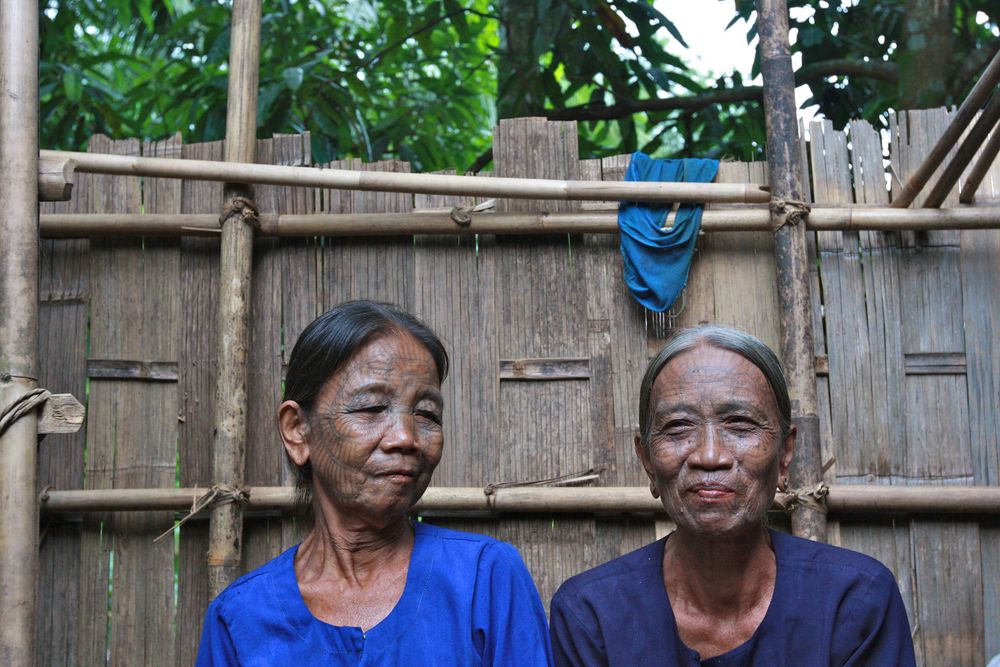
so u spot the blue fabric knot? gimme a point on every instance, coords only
(657, 260)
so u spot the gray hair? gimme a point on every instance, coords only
(749, 347)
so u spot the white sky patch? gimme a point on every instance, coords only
(716, 51)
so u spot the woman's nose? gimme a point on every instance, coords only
(711, 452)
(401, 433)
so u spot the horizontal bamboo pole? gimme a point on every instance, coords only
(439, 184)
(844, 499)
(439, 222)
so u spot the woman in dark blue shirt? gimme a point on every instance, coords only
(361, 426)
(716, 440)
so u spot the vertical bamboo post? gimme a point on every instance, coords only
(229, 441)
(18, 326)
(792, 258)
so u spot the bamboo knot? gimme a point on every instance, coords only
(462, 215)
(243, 208)
(23, 405)
(787, 212)
(219, 494)
(812, 497)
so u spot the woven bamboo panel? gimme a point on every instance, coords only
(905, 322)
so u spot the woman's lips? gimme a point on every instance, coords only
(400, 475)
(711, 491)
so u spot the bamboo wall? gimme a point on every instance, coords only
(905, 323)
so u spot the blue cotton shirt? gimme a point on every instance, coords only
(468, 600)
(830, 606)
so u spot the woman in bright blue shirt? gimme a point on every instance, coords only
(723, 590)
(361, 426)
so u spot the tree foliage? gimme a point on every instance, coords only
(891, 54)
(426, 80)
(366, 81)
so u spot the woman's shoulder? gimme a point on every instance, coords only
(426, 530)
(457, 543)
(254, 586)
(633, 570)
(797, 552)
(826, 572)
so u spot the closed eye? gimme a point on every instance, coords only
(368, 409)
(739, 423)
(432, 416)
(676, 427)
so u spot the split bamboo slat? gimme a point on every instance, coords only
(230, 431)
(979, 258)
(62, 344)
(199, 292)
(795, 307)
(913, 311)
(843, 499)
(542, 313)
(864, 427)
(931, 324)
(18, 327)
(524, 188)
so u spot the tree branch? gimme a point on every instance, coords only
(973, 65)
(884, 71)
(481, 161)
(874, 69)
(422, 29)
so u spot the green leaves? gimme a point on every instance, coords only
(71, 85)
(425, 80)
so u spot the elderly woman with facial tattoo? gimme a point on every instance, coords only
(361, 426)
(715, 440)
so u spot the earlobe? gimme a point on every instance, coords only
(293, 427)
(647, 465)
(788, 451)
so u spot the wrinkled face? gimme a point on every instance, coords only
(714, 450)
(374, 435)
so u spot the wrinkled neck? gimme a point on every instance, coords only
(352, 550)
(719, 575)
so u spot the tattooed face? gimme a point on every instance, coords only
(715, 449)
(375, 435)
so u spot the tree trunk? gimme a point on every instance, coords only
(926, 63)
(519, 90)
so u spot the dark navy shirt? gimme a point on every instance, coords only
(468, 600)
(830, 606)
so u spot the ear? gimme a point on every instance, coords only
(643, 455)
(787, 452)
(293, 427)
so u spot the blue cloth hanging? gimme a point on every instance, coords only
(657, 261)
